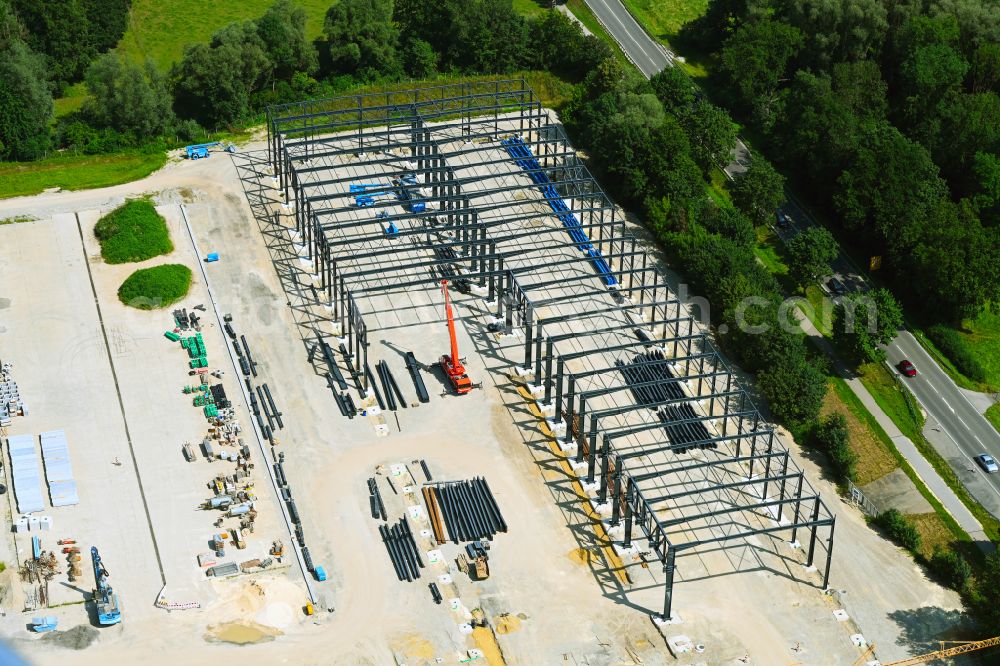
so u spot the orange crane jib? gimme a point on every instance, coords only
(452, 364)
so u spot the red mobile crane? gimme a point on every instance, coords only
(452, 365)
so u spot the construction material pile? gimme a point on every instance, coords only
(466, 509)
(10, 398)
(402, 550)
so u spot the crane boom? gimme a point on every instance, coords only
(948, 652)
(452, 364)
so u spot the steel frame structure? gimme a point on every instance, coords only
(695, 466)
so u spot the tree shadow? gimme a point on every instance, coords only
(921, 629)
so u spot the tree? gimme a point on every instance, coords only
(497, 37)
(712, 133)
(108, 20)
(213, 82)
(363, 38)
(758, 191)
(127, 97)
(810, 253)
(673, 88)
(985, 72)
(730, 223)
(420, 58)
(755, 59)
(794, 387)
(559, 45)
(838, 30)
(889, 192)
(831, 436)
(865, 322)
(989, 588)
(25, 103)
(59, 30)
(283, 31)
(444, 24)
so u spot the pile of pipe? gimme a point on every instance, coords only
(375, 499)
(402, 550)
(467, 509)
(648, 376)
(393, 396)
(682, 428)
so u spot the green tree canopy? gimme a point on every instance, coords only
(759, 191)
(755, 59)
(25, 103)
(810, 254)
(864, 322)
(363, 38)
(128, 97)
(283, 31)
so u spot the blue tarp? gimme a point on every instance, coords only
(58, 469)
(24, 472)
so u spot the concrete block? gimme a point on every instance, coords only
(558, 427)
(520, 371)
(660, 621)
(536, 390)
(546, 408)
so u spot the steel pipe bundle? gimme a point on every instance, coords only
(467, 508)
(274, 410)
(650, 379)
(402, 550)
(246, 348)
(435, 593)
(371, 382)
(375, 498)
(390, 398)
(393, 395)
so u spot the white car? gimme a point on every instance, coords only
(987, 462)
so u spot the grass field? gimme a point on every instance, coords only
(993, 415)
(156, 287)
(133, 232)
(160, 29)
(984, 343)
(76, 172)
(875, 458)
(664, 18)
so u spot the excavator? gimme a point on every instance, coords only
(452, 365)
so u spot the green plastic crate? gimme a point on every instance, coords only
(170, 335)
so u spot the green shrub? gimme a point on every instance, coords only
(133, 232)
(831, 436)
(157, 287)
(898, 528)
(950, 568)
(954, 347)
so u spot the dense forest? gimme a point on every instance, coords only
(889, 115)
(46, 45)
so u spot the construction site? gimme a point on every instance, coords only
(433, 398)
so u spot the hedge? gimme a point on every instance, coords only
(954, 347)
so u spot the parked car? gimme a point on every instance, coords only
(907, 368)
(836, 286)
(987, 462)
(784, 222)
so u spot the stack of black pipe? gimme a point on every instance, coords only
(402, 550)
(652, 370)
(393, 396)
(680, 433)
(469, 510)
(375, 499)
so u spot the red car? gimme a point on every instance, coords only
(907, 368)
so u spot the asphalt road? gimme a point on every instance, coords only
(647, 54)
(968, 432)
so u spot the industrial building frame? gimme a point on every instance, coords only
(660, 432)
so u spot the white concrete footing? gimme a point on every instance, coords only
(547, 409)
(536, 390)
(558, 428)
(660, 621)
(522, 372)
(579, 468)
(565, 445)
(794, 545)
(479, 291)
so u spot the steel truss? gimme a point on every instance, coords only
(660, 425)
